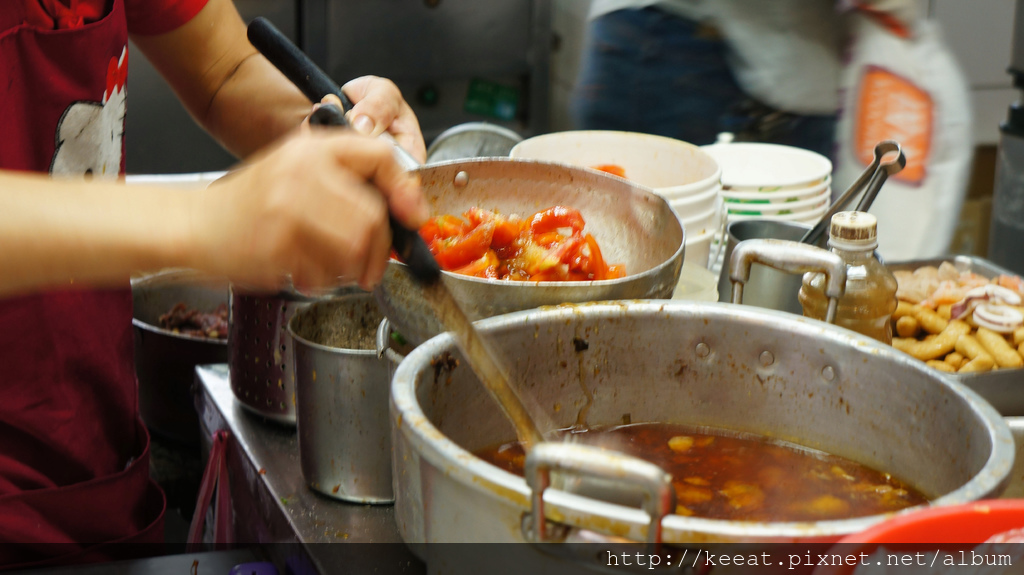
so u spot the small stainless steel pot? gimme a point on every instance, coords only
(165, 361)
(342, 387)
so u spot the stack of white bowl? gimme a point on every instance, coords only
(769, 181)
(687, 177)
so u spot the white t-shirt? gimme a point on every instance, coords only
(785, 53)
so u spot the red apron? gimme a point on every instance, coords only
(74, 456)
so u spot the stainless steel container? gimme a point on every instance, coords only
(261, 356)
(1003, 388)
(767, 287)
(720, 365)
(165, 361)
(342, 386)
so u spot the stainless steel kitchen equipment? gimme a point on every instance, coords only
(472, 140)
(165, 361)
(793, 258)
(1003, 388)
(633, 226)
(261, 354)
(342, 388)
(767, 287)
(866, 187)
(718, 365)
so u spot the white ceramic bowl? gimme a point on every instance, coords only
(701, 223)
(783, 196)
(807, 217)
(755, 207)
(695, 204)
(672, 168)
(698, 248)
(748, 166)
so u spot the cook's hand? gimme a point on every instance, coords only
(315, 207)
(378, 106)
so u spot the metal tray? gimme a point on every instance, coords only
(1003, 388)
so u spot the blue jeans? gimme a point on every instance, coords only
(652, 72)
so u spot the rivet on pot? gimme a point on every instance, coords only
(767, 358)
(703, 350)
(461, 179)
(828, 373)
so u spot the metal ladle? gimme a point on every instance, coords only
(870, 182)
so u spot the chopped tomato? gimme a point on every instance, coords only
(548, 239)
(555, 218)
(505, 232)
(548, 246)
(453, 253)
(613, 169)
(443, 227)
(615, 271)
(485, 267)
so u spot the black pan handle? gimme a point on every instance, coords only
(315, 84)
(407, 243)
(293, 63)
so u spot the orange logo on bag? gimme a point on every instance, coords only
(889, 107)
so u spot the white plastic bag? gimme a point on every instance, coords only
(912, 91)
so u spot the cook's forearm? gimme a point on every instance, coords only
(255, 106)
(58, 234)
(227, 86)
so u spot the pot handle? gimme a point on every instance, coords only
(789, 257)
(600, 463)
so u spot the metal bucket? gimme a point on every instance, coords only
(703, 364)
(768, 288)
(342, 385)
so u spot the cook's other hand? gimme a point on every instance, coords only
(315, 207)
(377, 107)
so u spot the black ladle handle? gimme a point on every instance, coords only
(293, 63)
(315, 84)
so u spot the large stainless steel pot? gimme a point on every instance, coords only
(165, 361)
(714, 364)
(632, 224)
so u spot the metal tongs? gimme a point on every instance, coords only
(870, 182)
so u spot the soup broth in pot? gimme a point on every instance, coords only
(719, 474)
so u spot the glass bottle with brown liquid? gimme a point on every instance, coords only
(870, 298)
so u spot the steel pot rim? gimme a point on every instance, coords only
(677, 255)
(166, 332)
(183, 275)
(409, 419)
(327, 348)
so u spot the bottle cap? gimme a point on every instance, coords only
(853, 231)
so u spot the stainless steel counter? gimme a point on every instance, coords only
(274, 509)
(271, 504)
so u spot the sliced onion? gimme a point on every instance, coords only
(995, 293)
(991, 293)
(998, 318)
